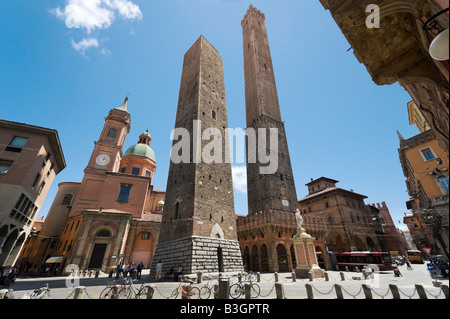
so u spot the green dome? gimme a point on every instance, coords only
(146, 133)
(141, 150)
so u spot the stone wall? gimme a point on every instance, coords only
(196, 254)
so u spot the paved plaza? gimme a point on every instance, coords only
(320, 288)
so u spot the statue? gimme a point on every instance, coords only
(298, 219)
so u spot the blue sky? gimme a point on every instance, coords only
(339, 124)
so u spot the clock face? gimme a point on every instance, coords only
(102, 159)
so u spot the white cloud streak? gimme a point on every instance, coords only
(84, 45)
(239, 174)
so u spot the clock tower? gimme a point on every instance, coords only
(108, 149)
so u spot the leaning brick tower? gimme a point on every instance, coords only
(274, 191)
(272, 198)
(198, 229)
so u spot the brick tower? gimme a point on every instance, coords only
(270, 225)
(198, 229)
(265, 191)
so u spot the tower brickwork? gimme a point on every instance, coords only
(275, 191)
(198, 229)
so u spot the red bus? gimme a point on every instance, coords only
(364, 258)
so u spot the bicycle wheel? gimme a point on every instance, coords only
(193, 293)
(108, 293)
(205, 292)
(141, 294)
(175, 293)
(255, 290)
(124, 293)
(235, 291)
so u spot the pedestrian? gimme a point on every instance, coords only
(178, 272)
(159, 266)
(119, 269)
(139, 270)
(132, 270)
(408, 264)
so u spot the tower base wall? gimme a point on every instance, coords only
(197, 254)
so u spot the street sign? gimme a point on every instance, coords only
(430, 267)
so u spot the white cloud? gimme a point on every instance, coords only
(84, 45)
(127, 9)
(92, 15)
(239, 178)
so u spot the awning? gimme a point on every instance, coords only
(54, 260)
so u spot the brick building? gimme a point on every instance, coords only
(347, 223)
(30, 158)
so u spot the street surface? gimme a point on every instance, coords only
(62, 287)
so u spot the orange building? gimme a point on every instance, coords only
(113, 214)
(425, 165)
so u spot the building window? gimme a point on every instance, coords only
(214, 114)
(147, 174)
(327, 205)
(112, 132)
(16, 144)
(135, 171)
(124, 193)
(5, 166)
(330, 220)
(36, 180)
(67, 199)
(145, 236)
(443, 180)
(427, 153)
(123, 170)
(41, 187)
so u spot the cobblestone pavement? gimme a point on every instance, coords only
(62, 287)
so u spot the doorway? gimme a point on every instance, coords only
(97, 255)
(220, 258)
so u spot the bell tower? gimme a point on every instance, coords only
(108, 149)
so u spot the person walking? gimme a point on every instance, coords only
(408, 264)
(159, 266)
(119, 269)
(139, 270)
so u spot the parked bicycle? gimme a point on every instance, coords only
(134, 292)
(41, 293)
(238, 289)
(207, 289)
(191, 292)
(114, 290)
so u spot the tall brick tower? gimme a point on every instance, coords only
(275, 191)
(198, 229)
(268, 229)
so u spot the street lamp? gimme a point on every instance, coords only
(439, 47)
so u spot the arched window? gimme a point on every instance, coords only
(103, 233)
(112, 132)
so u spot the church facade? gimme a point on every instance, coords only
(113, 214)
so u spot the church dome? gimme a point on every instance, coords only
(142, 148)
